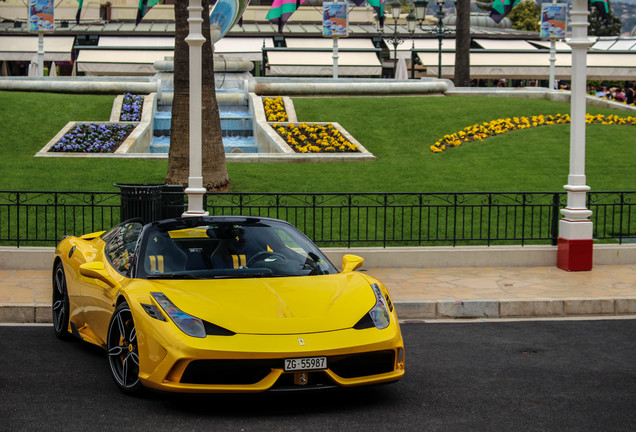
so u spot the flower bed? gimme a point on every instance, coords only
(314, 138)
(93, 138)
(275, 109)
(479, 132)
(131, 107)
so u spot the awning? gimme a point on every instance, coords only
(242, 48)
(404, 49)
(533, 65)
(613, 44)
(560, 46)
(23, 48)
(124, 55)
(321, 64)
(318, 59)
(120, 62)
(498, 44)
(136, 42)
(135, 55)
(349, 43)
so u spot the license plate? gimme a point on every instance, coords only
(305, 363)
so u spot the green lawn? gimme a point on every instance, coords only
(398, 131)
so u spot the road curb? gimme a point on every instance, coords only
(530, 308)
(425, 309)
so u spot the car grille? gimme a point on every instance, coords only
(239, 372)
(247, 372)
(364, 364)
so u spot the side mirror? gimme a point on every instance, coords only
(96, 270)
(351, 263)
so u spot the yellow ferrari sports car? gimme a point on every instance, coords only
(224, 304)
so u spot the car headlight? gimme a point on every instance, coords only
(188, 324)
(379, 315)
(380, 312)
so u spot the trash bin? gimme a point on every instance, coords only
(172, 201)
(140, 201)
(151, 202)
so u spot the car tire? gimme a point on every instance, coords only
(60, 303)
(123, 355)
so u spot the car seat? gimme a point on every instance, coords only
(163, 255)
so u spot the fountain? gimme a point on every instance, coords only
(232, 78)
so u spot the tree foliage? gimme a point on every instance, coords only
(526, 16)
(484, 5)
(601, 27)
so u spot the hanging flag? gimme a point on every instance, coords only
(144, 7)
(281, 10)
(602, 6)
(378, 7)
(501, 8)
(79, 11)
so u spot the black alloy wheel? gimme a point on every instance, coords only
(123, 355)
(60, 303)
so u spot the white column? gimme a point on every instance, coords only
(335, 57)
(551, 83)
(195, 40)
(41, 54)
(552, 78)
(575, 229)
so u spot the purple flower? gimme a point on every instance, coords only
(92, 138)
(131, 107)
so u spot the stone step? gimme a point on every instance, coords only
(232, 144)
(233, 123)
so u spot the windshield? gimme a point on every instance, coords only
(228, 248)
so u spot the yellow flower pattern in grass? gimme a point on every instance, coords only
(484, 130)
(314, 138)
(274, 109)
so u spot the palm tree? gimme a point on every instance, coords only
(215, 177)
(462, 46)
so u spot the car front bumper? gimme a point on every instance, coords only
(246, 363)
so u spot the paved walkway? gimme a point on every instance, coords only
(25, 295)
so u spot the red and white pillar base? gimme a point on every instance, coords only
(575, 245)
(575, 248)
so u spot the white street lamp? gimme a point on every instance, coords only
(195, 40)
(439, 31)
(575, 245)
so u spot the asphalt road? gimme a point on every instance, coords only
(488, 376)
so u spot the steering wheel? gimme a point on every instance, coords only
(262, 256)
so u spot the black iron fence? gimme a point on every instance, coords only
(330, 219)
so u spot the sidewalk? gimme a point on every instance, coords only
(25, 295)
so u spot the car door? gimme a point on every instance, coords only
(99, 296)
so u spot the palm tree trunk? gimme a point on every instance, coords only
(462, 48)
(215, 177)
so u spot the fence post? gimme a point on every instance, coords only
(554, 226)
(620, 218)
(17, 219)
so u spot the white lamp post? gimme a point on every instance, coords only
(195, 40)
(440, 31)
(396, 11)
(575, 245)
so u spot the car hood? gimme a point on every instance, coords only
(284, 305)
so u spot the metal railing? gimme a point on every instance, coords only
(331, 219)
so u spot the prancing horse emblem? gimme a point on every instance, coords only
(301, 341)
